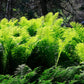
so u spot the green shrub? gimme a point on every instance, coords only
(39, 42)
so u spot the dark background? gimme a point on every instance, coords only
(36, 8)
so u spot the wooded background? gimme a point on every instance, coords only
(36, 8)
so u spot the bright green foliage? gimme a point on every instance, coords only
(68, 35)
(80, 50)
(39, 42)
(79, 29)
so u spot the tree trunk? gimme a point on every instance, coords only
(8, 9)
(44, 6)
(0, 6)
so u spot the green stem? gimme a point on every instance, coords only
(56, 63)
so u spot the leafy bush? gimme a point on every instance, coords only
(39, 42)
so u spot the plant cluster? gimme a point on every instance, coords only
(58, 75)
(40, 42)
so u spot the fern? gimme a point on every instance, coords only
(43, 41)
(80, 51)
(58, 75)
(68, 35)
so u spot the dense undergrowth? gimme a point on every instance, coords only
(41, 42)
(58, 75)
